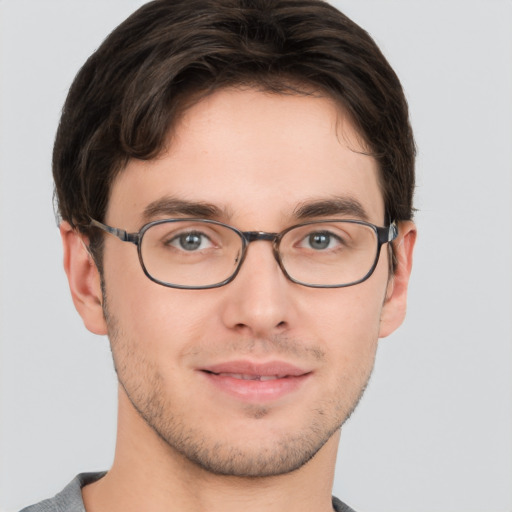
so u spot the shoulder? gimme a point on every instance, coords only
(339, 506)
(69, 499)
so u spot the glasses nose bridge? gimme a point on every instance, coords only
(254, 236)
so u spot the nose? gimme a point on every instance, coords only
(259, 300)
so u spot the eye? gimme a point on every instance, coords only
(320, 240)
(190, 241)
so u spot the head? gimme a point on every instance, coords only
(134, 89)
(202, 101)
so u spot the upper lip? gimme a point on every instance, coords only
(250, 368)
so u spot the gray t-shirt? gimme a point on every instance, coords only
(70, 498)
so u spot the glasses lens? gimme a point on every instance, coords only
(190, 253)
(329, 253)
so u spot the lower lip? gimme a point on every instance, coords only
(256, 390)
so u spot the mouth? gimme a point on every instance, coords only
(256, 382)
(242, 376)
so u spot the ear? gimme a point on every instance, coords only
(83, 278)
(395, 304)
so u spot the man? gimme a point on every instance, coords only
(234, 181)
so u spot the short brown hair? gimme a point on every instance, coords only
(131, 91)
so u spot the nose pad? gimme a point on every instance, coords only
(257, 300)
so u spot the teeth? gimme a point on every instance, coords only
(251, 377)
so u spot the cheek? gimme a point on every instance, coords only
(148, 314)
(347, 321)
(155, 323)
(353, 310)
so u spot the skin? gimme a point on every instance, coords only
(182, 439)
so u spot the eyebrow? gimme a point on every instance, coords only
(171, 207)
(328, 207)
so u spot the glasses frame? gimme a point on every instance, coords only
(384, 235)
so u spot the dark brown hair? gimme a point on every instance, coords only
(132, 90)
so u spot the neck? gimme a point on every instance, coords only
(147, 474)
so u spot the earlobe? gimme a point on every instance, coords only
(84, 279)
(395, 304)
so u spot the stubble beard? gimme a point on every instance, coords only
(145, 389)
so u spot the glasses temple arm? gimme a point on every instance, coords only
(387, 234)
(119, 233)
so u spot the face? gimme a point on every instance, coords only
(252, 378)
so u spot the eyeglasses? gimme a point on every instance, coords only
(199, 253)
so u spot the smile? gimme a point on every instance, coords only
(251, 377)
(254, 382)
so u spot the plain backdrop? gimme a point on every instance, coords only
(434, 431)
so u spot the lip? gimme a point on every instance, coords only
(256, 382)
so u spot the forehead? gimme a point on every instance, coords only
(256, 156)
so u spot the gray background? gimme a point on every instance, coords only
(434, 432)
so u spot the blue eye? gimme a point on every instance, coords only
(190, 241)
(321, 240)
